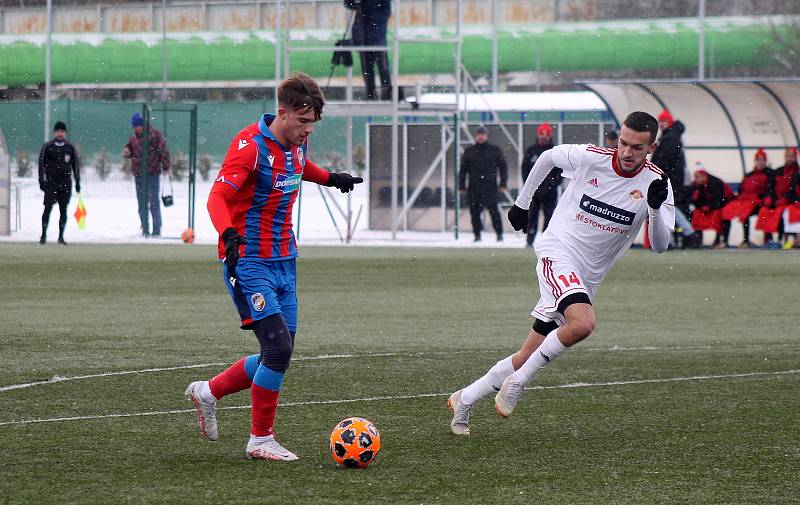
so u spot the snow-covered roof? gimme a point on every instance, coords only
(562, 101)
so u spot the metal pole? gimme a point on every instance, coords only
(286, 36)
(701, 44)
(456, 125)
(395, 114)
(164, 51)
(192, 164)
(494, 46)
(47, 75)
(144, 167)
(349, 151)
(278, 41)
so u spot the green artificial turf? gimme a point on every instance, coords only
(388, 334)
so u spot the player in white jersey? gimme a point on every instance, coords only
(611, 194)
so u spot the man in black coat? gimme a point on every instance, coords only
(546, 197)
(482, 163)
(669, 157)
(58, 163)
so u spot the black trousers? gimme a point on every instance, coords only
(56, 194)
(547, 205)
(476, 211)
(370, 59)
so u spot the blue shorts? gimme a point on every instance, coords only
(264, 288)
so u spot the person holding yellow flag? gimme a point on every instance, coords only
(58, 163)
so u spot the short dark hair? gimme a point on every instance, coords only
(60, 126)
(301, 93)
(642, 122)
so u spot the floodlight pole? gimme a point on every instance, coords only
(701, 43)
(47, 75)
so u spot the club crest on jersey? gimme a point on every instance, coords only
(636, 195)
(301, 158)
(287, 183)
(258, 301)
(67, 158)
(606, 211)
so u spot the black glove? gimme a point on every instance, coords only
(657, 192)
(232, 242)
(42, 186)
(344, 182)
(77, 187)
(518, 218)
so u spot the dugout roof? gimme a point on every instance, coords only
(726, 120)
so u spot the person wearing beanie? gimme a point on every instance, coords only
(546, 197)
(481, 165)
(147, 180)
(670, 158)
(779, 195)
(752, 192)
(58, 164)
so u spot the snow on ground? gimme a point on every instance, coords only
(112, 218)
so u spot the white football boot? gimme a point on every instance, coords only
(506, 399)
(268, 448)
(206, 411)
(460, 423)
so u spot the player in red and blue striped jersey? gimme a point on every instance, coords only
(250, 205)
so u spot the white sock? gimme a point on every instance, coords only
(489, 383)
(259, 440)
(205, 393)
(550, 348)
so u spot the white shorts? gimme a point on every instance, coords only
(558, 278)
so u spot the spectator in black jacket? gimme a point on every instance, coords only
(670, 158)
(58, 163)
(482, 163)
(546, 197)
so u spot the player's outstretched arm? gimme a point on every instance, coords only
(342, 181)
(518, 213)
(544, 164)
(659, 230)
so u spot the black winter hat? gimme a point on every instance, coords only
(60, 126)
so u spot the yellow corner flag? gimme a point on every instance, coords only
(80, 213)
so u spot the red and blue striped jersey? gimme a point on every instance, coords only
(259, 182)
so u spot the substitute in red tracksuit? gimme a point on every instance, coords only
(769, 217)
(250, 205)
(752, 191)
(708, 197)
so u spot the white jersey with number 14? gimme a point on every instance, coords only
(601, 211)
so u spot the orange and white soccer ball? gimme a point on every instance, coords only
(355, 442)
(188, 236)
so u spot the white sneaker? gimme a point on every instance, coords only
(268, 448)
(506, 399)
(206, 411)
(460, 423)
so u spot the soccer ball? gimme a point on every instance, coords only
(355, 442)
(188, 236)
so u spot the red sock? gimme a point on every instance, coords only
(265, 405)
(231, 380)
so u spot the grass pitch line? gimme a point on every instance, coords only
(410, 397)
(58, 378)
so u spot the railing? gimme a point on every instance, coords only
(257, 15)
